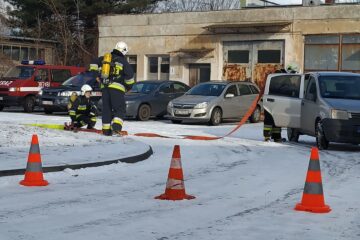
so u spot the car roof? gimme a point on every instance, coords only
(222, 82)
(335, 74)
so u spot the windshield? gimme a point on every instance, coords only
(144, 88)
(20, 72)
(346, 87)
(207, 90)
(81, 79)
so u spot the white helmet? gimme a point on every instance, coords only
(85, 88)
(122, 47)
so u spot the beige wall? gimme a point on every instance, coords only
(164, 33)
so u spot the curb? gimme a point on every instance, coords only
(131, 159)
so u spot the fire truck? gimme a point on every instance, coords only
(20, 85)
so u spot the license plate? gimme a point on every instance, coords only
(182, 112)
(47, 103)
(1, 98)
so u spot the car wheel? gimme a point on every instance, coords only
(144, 112)
(29, 104)
(1, 107)
(293, 135)
(216, 116)
(48, 111)
(255, 117)
(321, 141)
(176, 121)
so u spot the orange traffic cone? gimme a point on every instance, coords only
(175, 188)
(313, 196)
(34, 173)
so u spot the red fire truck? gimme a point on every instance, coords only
(20, 85)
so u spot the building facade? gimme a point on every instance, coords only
(237, 45)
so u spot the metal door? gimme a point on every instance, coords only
(199, 73)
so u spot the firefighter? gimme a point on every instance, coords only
(116, 78)
(83, 111)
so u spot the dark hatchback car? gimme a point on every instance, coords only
(56, 99)
(150, 98)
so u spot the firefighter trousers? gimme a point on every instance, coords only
(83, 120)
(114, 108)
(270, 130)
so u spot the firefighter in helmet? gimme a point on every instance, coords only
(83, 111)
(117, 76)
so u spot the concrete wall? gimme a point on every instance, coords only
(164, 33)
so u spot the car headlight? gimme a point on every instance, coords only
(170, 104)
(40, 92)
(14, 89)
(201, 105)
(339, 114)
(65, 94)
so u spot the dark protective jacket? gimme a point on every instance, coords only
(82, 106)
(120, 72)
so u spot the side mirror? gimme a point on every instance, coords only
(229, 95)
(38, 78)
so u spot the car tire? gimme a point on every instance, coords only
(29, 104)
(48, 111)
(255, 116)
(2, 107)
(216, 117)
(293, 135)
(144, 112)
(321, 141)
(176, 121)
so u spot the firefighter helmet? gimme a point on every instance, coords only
(292, 68)
(122, 47)
(85, 88)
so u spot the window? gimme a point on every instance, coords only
(133, 62)
(232, 90)
(24, 53)
(60, 75)
(180, 88)
(332, 52)
(41, 54)
(15, 53)
(158, 67)
(238, 56)
(166, 89)
(351, 53)
(43, 74)
(7, 51)
(165, 65)
(269, 56)
(244, 89)
(287, 85)
(32, 54)
(311, 90)
(153, 64)
(254, 89)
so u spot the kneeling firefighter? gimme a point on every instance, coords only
(83, 111)
(116, 78)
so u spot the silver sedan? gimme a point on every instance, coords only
(214, 101)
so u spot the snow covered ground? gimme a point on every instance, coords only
(244, 188)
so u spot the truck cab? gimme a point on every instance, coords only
(20, 85)
(325, 105)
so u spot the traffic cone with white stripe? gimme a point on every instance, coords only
(34, 173)
(313, 196)
(175, 187)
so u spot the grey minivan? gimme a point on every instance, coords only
(325, 105)
(214, 101)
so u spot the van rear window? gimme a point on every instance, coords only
(286, 85)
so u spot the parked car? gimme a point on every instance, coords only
(56, 99)
(20, 85)
(325, 105)
(150, 98)
(214, 101)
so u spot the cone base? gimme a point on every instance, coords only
(324, 209)
(40, 183)
(174, 198)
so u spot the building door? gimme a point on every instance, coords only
(199, 73)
